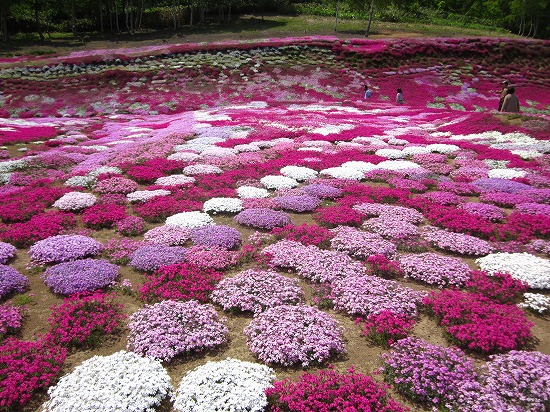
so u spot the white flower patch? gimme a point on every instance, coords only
(316, 143)
(223, 205)
(278, 182)
(397, 142)
(81, 181)
(371, 141)
(195, 147)
(184, 156)
(360, 166)
(311, 149)
(536, 302)
(343, 173)
(252, 192)
(174, 180)
(526, 154)
(331, 129)
(189, 219)
(396, 165)
(251, 147)
(201, 170)
(12, 165)
(230, 385)
(208, 140)
(506, 173)
(144, 195)
(496, 164)
(123, 381)
(413, 150)
(390, 153)
(533, 270)
(299, 173)
(75, 201)
(349, 145)
(442, 148)
(216, 151)
(105, 170)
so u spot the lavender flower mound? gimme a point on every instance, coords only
(216, 235)
(391, 227)
(426, 372)
(167, 329)
(520, 378)
(533, 209)
(230, 385)
(360, 244)
(491, 213)
(288, 335)
(11, 281)
(456, 242)
(256, 290)
(150, 258)
(399, 212)
(298, 204)
(313, 263)
(64, 248)
(363, 295)
(7, 251)
(75, 201)
(435, 269)
(168, 235)
(443, 198)
(261, 218)
(83, 275)
(322, 191)
(500, 185)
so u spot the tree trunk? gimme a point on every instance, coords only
(73, 18)
(116, 17)
(370, 17)
(336, 14)
(174, 12)
(37, 21)
(139, 16)
(101, 28)
(229, 12)
(4, 25)
(201, 14)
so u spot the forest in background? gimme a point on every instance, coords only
(529, 18)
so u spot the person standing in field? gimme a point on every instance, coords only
(511, 101)
(399, 97)
(503, 92)
(368, 92)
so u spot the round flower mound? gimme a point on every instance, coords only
(456, 242)
(343, 173)
(435, 269)
(11, 281)
(169, 328)
(174, 180)
(117, 184)
(150, 258)
(223, 205)
(200, 169)
(84, 275)
(11, 318)
(130, 226)
(251, 192)
(168, 235)
(322, 191)
(478, 323)
(362, 295)
(533, 270)
(216, 236)
(211, 257)
(64, 248)
(520, 379)
(298, 204)
(189, 220)
(391, 227)
(299, 173)
(75, 201)
(491, 213)
(103, 215)
(360, 244)
(288, 335)
(230, 385)
(278, 182)
(305, 234)
(27, 366)
(181, 281)
(256, 290)
(122, 381)
(7, 251)
(425, 372)
(261, 218)
(144, 195)
(405, 214)
(330, 390)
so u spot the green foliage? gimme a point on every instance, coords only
(21, 300)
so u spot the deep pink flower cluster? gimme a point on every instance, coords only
(39, 227)
(181, 281)
(500, 287)
(305, 234)
(328, 391)
(288, 335)
(27, 366)
(256, 290)
(385, 327)
(525, 227)
(130, 226)
(478, 323)
(159, 208)
(103, 216)
(11, 318)
(24, 204)
(332, 216)
(144, 174)
(458, 220)
(384, 267)
(84, 320)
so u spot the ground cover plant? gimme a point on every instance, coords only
(192, 203)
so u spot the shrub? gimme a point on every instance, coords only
(262, 218)
(211, 257)
(288, 335)
(103, 216)
(11, 281)
(27, 366)
(167, 329)
(84, 320)
(477, 323)
(130, 226)
(216, 236)
(159, 208)
(531, 269)
(360, 244)
(383, 267)
(168, 235)
(297, 204)
(75, 201)
(11, 318)
(456, 242)
(435, 269)
(63, 248)
(120, 250)
(305, 234)
(329, 390)
(7, 251)
(116, 185)
(151, 257)
(181, 281)
(385, 327)
(333, 216)
(500, 287)
(38, 228)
